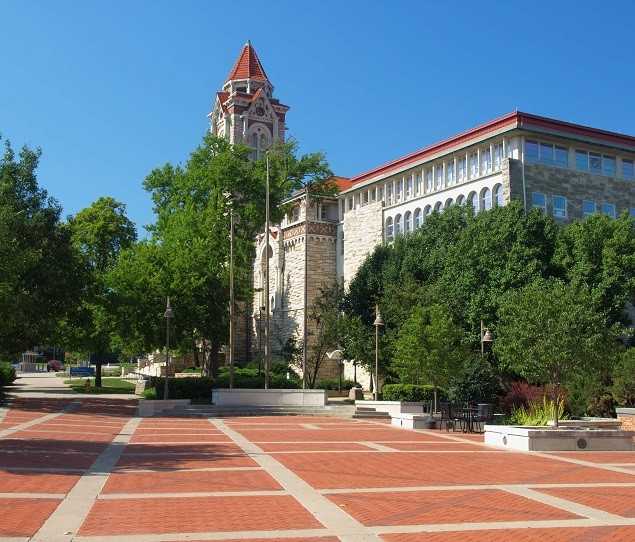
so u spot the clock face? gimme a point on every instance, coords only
(260, 111)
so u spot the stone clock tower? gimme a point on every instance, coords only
(245, 111)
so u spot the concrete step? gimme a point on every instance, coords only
(370, 413)
(215, 411)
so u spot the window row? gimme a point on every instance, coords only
(410, 221)
(559, 206)
(592, 162)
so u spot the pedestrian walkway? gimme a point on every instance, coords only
(86, 469)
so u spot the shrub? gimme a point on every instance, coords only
(477, 382)
(333, 384)
(536, 414)
(7, 374)
(412, 393)
(195, 388)
(149, 393)
(520, 393)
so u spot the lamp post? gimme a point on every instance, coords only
(168, 315)
(379, 321)
(486, 337)
(305, 337)
(231, 295)
(267, 307)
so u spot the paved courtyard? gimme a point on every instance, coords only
(86, 469)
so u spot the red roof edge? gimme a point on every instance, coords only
(517, 118)
(248, 66)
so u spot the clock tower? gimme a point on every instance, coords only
(245, 111)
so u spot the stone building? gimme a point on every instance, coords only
(567, 170)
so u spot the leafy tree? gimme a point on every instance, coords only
(38, 269)
(192, 205)
(623, 389)
(476, 382)
(428, 349)
(599, 253)
(549, 330)
(325, 316)
(99, 233)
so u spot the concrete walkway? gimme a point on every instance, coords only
(84, 468)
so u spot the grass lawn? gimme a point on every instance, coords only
(108, 385)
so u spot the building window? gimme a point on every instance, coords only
(474, 201)
(486, 161)
(419, 184)
(539, 200)
(342, 243)
(380, 197)
(439, 170)
(608, 209)
(400, 190)
(427, 210)
(389, 189)
(595, 163)
(628, 172)
(581, 160)
(295, 214)
(498, 156)
(389, 230)
(460, 200)
(351, 202)
(429, 185)
(398, 225)
(450, 173)
(632, 212)
(473, 165)
(498, 195)
(559, 206)
(588, 207)
(562, 157)
(608, 166)
(418, 218)
(545, 154)
(531, 151)
(373, 195)
(487, 199)
(409, 186)
(462, 166)
(408, 223)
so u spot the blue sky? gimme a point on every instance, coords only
(112, 89)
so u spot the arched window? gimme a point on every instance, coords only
(398, 225)
(408, 223)
(449, 203)
(498, 195)
(418, 218)
(486, 199)
(474, 201)
(460, 200)
(428, 210)
(389, 230)
(438, 206)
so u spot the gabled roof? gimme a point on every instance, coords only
(248, 66)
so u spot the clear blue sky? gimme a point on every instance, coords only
(112, 89)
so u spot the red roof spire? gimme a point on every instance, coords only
(248, 65)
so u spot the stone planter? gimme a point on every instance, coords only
(569, 439)
(394, 407)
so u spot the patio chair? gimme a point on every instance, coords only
(457, 416)
(445, 416)
(484, 415)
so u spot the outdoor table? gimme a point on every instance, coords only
(470, 413)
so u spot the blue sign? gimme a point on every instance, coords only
(82, 371)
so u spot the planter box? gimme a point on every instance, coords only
(558, 440)
(412, 421)
(593, 423)
(150, 407)
(245, 397)
(393, 407)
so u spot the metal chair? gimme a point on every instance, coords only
(457, 416)
(445, 416)
(485, 414)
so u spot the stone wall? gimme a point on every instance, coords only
(627, 417)
(363, 231)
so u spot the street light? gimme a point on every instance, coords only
(231, 294)
(305, 337)
(486, 337)
(379, 321)
(267, 307)
(168, 314)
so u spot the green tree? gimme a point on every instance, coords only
(549, 330)
(623, 389)
(428, 348)
(38, 269)
(193, 204)
(99, 233)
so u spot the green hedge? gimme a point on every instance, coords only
(7, 374)
(411, 393)
(334, 384)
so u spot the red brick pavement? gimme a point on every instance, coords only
(615, 500)
(430, 507)
(36, 482)
(186, 461)
(23, 517)
(198, 514)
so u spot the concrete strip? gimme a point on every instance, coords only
(231, 535)
(62, 525)
(4, 410)
(495, 525)
(584, 463)
(377, 446)
(338, 522)
(59, 496)
(26, 425)
(569, 506)
(193, 494)
(310, 426)
(201, 469)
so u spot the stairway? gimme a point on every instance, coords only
(216, 411)
(369, 413)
